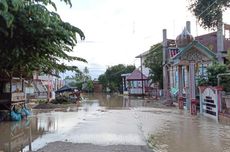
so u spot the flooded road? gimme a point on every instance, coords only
(106, 122)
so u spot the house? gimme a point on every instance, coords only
(97, 87)
(45, 86)
(210, 41)
(188, 59)
(13, 95)
(142, 57)
(12, 92)
(135, 83)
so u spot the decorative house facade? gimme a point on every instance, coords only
(187, 60)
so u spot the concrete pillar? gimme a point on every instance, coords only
(165, 67)
(187, 87)
(188, 26)
(192, 88)
(165, 51)
(180, 86)
(192, 79)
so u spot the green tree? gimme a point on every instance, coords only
(209, 12)
(79, 76)
(86, 71)
(35, 38)
(112, 77)
(90, 86)
(154, 62)
(83, 80)
(211, 79)
(86, 74)
(228, 59)
(103, 80)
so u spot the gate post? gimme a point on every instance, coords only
(210, 101)
(193, 107)
(181, 103)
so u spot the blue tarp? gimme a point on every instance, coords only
(18, 115)
(15, 116)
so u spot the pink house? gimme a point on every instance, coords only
(138, 83)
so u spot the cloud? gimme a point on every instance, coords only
(118, 30)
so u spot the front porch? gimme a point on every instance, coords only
(183, 67)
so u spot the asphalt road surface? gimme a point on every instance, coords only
(71, 147)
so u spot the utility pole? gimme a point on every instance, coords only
(165, 67)
(220, 40)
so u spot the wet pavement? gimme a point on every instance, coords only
(115, 123)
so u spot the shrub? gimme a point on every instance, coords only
(211, 78)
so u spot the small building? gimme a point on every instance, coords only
(13, 96)
(97, 87)
(142, 57)
(45, 86)
(137, 83)
(12, 92)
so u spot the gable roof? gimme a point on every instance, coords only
(203, 49)
(137, 75)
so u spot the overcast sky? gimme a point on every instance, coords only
(118, 30)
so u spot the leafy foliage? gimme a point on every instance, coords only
(89, 86)
(112, 77)
(81, 80)
(154, 62)
(34, 38)
(228, 59)
(209, 12)
(211, 79)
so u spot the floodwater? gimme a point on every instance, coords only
(117, 120)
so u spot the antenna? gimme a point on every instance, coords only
(133, 27)
(174, 28)
(196, 27)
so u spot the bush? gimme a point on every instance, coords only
(40, 101)
(211, 78)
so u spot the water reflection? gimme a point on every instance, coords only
(16, 135)
(114, 119)
(113, 101)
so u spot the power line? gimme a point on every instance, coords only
(207, 8)
(205, 15)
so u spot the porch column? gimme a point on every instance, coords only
(123, 84)
(180, 86)
(192, 88)
(187, 87)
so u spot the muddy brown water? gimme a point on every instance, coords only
(116, 120)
